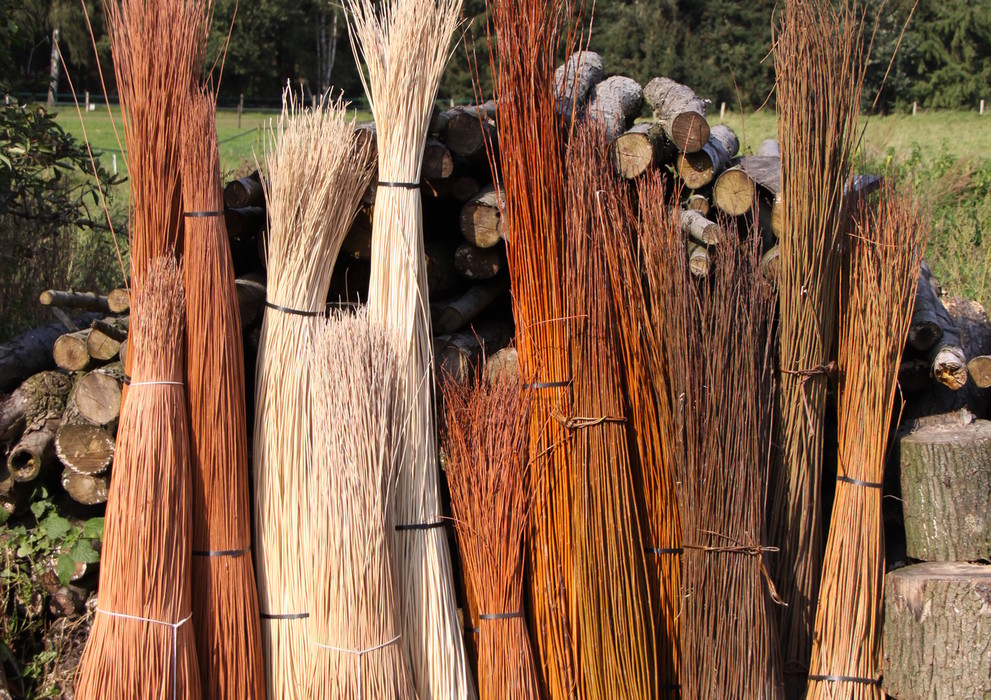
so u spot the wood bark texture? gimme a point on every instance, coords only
(680, 111)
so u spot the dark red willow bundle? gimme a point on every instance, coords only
(225, 599)
(485, 435)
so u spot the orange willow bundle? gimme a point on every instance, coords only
(485, 438)
(527, 36)
(880, 273)
(714, 343)
(141, 644)
(225, 600)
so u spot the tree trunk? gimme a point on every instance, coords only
(53, 70)
(481, 218)
(642, 147)
(700, 228)
(614, 103)
(85, 301)
(936, 631)
(85, 488)
(699, 168)
(946, 492)
(574, 79)
(680, 111)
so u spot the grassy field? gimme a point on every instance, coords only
(946, 154)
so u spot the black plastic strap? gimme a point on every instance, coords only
(201, 214)
(219, 553)
(845, 679)
(858, 482)
(547, 385)
(285, 616)
(501, 616)
(127, 380)
(420, 526)
(295, 312)
(664, 550)
(400, 185)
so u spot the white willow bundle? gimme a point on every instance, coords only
(141, 644)
(404, 44)
(355, 621)
(880, 275)
(317, 172)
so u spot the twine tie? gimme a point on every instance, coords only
(175, 631)
(359, 653)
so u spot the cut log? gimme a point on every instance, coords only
(699, 168)
(770, 264)
(357, 243)
(437, 161)
(640, 148)
(41, 395)
(764, 170)
(122, 354)
(972, 323)
(700, 228)
(31, 352)
(680, 111)
(769, 147)
(615, 103)
(119, 301)
(85, 301)
(71, 353)
(250, 290)
(503, 364)
(245, 223)
(937, 623)
(474, 263)
(244, 192)
(443, 279)
(87, 489)
(83, 447)
(458, 354)
(481, 218)
(980, 370)
(35, 452)
(946, 492)
(97, 394)
(698, 260)
(105, 337)
(458, 312)
(467, 134)
(698, 202)
(734, 191)
(574, 79)
(777, 214)
(463, 188)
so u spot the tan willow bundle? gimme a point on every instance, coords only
(354, 627)
(141, 644)
(880, 274)
(225, 599)
(819, 64)
(405, 46)
(317, 172)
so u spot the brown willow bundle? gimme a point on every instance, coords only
(486, 430)
(405, 46)
(819, 67)
(225, 599)
(880, 273)
(157, 49)
(715, 341)
(527, 36)
(142, 644)
(652, 418)
(612, 607)
(355, 627)
(317, 172)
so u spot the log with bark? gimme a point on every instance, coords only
(980, 371)
(469, 134)
(31, 352)
(34, 453)
(245, 223)
(937, 627)
(698, 260)
(119, 301)
(458, 312)
(84, 301)
(769, 147)
(71, 352)
(642, 147)
(244, 192)
(680, 111)
(250, 290)
(122, 354)
(443, 279)
(947, 358)
(698, 169)
(734, 191)
(701, 229)
(38, 396)
(770, 264)
(698, 202)
(438, 163)
(503, 364)
(105, 337)
(459, 353)
(574, 79)
(83, 446)
(357, 243)
(946, 491)
(481, 218)
(474, 263)
(615, 103)
(97, 394)
(87, 489)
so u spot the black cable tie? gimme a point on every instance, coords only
(285, 616)
(546, 385)
(401, 185)
(295, 312)
(127, 380)
(845, 679)
(219, 553)
(501, 616)
(201, 214)
(665, 550)
(858, 482)
(420, 526)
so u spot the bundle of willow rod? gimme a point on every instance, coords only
(527, 37)
(612, 598)
(722, 359)
(317, 172)
(652, 418)
(157, 50)
(225, 599)
(355, 625)
(486, 430)
(405, 46)
(819, 66)
(880, 273)
(141, 644)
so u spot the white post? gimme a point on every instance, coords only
(87, 100)
(722, 111)
(915, 108)
(114, 155)
(982, 107)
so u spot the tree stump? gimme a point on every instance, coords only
(937, 627)
(946, 492)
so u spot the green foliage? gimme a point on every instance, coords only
(37, 553)
(53, 230)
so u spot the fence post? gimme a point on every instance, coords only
(240, 108)
(982, 107)
(87, 100)
(915, 108)
(722, 110)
